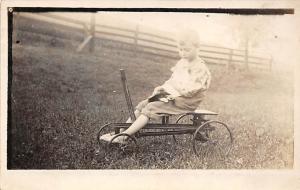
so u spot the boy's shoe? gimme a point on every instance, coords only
(108, 137)
(120, 140)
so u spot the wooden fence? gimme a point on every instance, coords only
(151, 42)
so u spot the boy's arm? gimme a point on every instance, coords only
(200, 82)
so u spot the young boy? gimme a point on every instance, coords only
(182, 93)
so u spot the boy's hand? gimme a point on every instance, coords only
(170, 97)
(158, 90)
(167, 98)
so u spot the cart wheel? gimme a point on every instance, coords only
(183, 119)
(104, 130)
(212, 140)
(131, 144)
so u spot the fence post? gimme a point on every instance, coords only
(247, 54)
(230, 59)
(136, 34)
(92, 33)
(271, 63)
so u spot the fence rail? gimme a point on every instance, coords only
(162, 45)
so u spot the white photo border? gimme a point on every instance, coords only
(143, 179)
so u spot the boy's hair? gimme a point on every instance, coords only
(188, 36)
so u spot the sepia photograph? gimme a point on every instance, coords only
(150, 89)
(195, 91)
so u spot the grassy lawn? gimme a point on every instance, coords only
(61, 98)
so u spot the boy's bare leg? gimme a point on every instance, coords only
(137, 113)
(138, 124)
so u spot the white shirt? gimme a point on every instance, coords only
(188, 78)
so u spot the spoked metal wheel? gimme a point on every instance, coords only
(183, 119)
(212, 141)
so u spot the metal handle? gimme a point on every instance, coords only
(127, 95)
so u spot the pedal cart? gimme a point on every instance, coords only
(207, 135)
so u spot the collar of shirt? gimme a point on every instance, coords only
(189, 66)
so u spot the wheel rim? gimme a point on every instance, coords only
(131, 145)
(102, 130)
(217, 141)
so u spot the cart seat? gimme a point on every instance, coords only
(196, 112)
(203, 112)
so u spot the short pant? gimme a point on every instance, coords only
(180, 105)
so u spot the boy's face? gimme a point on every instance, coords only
(187, 51)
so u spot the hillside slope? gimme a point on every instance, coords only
(60, 98)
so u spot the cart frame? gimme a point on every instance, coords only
(199, 127)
